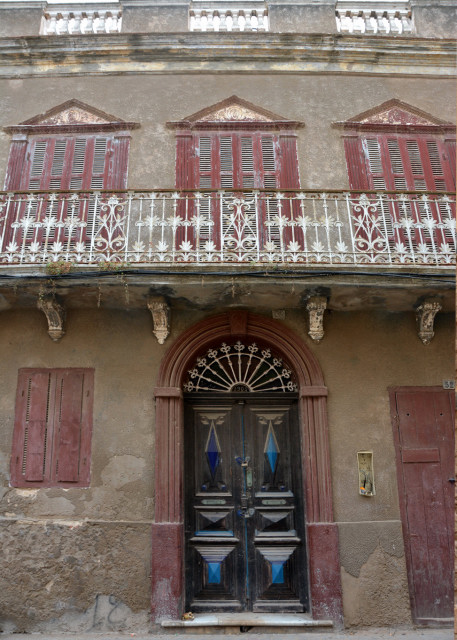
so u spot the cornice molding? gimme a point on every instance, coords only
(208, 53)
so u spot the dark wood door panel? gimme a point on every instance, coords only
(244, 512)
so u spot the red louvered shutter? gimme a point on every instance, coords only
(287, 169)
(69, 422)
(53, 427)
(241, 161)
(451, 151)
(355, 160)
(31, 428)
(399, 163)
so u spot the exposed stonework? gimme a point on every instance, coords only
(78, 576)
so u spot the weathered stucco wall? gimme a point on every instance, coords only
(154, 100)
(101, 535)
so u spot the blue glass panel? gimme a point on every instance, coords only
(271, 450)
(214, 572)
(213, 450)
(277, 572)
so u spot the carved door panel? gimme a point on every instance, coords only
(244, 514)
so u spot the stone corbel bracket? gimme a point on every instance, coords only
(315, 307)
(425, 318)
(161, 318)
(55, 315)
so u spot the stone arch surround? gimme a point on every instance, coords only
(168, 528)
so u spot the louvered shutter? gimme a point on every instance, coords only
(53, 427)
(31, 428)
(69, 423)
(399, 163)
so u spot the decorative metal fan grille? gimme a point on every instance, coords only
(239, 367)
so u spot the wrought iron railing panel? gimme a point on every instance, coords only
(170, 227)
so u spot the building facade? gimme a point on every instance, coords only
(227, 253)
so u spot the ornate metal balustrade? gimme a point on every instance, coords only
(170, 227)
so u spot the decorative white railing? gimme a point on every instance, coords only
(171, 227)
(81, 19)
(248, 18)
(381, 17)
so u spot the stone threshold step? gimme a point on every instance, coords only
(270, 620)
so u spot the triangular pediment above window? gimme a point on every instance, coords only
(234, 112)
(72, 112)
(72, 115)
(395, 115)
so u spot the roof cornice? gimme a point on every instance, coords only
(207, 53)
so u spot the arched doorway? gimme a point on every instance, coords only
(168, 588)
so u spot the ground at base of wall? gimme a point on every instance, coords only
(391, 633)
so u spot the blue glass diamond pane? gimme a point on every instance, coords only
(214, 572)
(213, 451)
(277, 572)
(271, 450)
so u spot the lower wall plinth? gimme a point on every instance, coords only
(167, 571)
(324, 572)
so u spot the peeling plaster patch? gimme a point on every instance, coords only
(27, 493)
(122, 470)
(379, 594)
(358, 541)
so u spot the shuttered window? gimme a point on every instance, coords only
(56, 164)
(400, 163)
(406, 164)
(53, 427)
(235, 161)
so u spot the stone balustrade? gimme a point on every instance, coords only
(60, 19)
(234, 17)
(373, 17)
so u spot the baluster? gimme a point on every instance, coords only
(101, 22)
(262, 21)
(220, 22)
(371, 25)
(76, 26)
(236, 21)
(392, 18)
(406, 23)
(51, 24)
(210, 21)
(63, 23)
(89, 26)
(358, 23)
(108, 22)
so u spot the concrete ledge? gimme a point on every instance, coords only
(248, 620)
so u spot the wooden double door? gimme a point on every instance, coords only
(245, 542)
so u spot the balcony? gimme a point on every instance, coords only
(167, 228)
